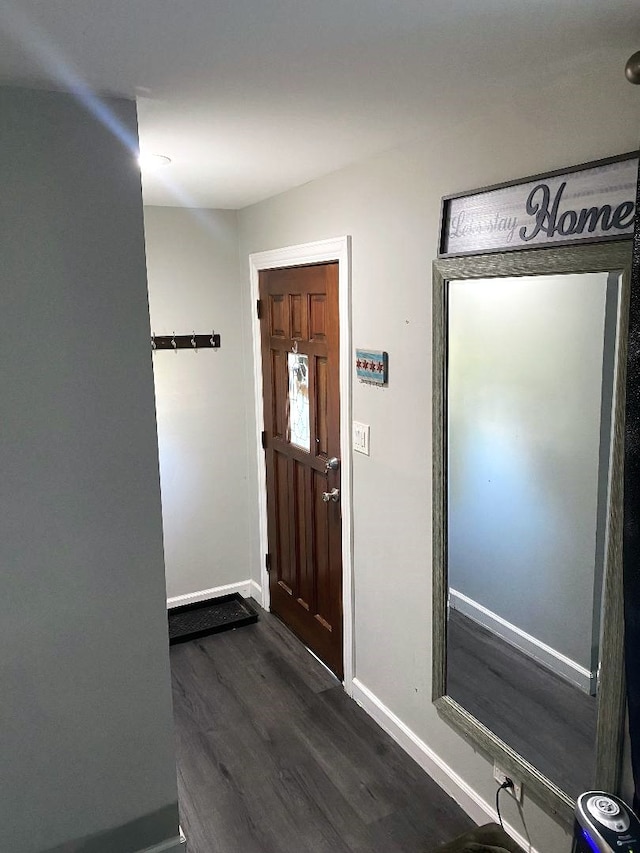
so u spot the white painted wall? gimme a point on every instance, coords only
(86, 727)
(192, 263)
(390, 205)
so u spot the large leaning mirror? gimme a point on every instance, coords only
(529, 363)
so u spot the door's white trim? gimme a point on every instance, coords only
(245, 588)
(337, 249)
(532, 646)
(467, 798)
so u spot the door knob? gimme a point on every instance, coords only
(332, 464)
(333, 495)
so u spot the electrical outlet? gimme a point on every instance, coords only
(500, 776)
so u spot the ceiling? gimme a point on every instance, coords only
(252, 97)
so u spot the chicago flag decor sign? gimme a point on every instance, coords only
(372, 366)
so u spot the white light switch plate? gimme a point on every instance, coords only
(361, 437)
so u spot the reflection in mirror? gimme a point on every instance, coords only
(529, 355)
(529, 391)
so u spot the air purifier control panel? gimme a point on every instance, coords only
(604, 824)
(608, 812)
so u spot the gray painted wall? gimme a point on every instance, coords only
(524, 397)
(192, 262)
(86, 728)
(390, 205)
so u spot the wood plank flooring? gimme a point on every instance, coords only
(543, 717)
(273, 756)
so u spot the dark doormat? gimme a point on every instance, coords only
(209, 617)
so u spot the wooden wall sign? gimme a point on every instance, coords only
(591, 202)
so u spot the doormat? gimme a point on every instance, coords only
(209, 617)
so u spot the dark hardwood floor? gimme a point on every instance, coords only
(273, 756)
(543, 717)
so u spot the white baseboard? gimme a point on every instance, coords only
(245, 588)
(469, 800)
(171, 845)
(536, 649)
(256, 591)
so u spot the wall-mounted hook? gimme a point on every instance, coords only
(153, 341)
(632, 69)
(212, 339)
(173, 341)
(194, 343)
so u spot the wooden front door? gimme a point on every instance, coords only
(300, 362)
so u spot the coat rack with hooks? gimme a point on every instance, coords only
(192, 341)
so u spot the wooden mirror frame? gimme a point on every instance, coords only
(602, 257)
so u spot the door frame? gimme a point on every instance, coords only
(336, 249)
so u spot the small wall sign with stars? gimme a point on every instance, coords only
(372, 366)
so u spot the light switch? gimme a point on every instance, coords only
(361, 437)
